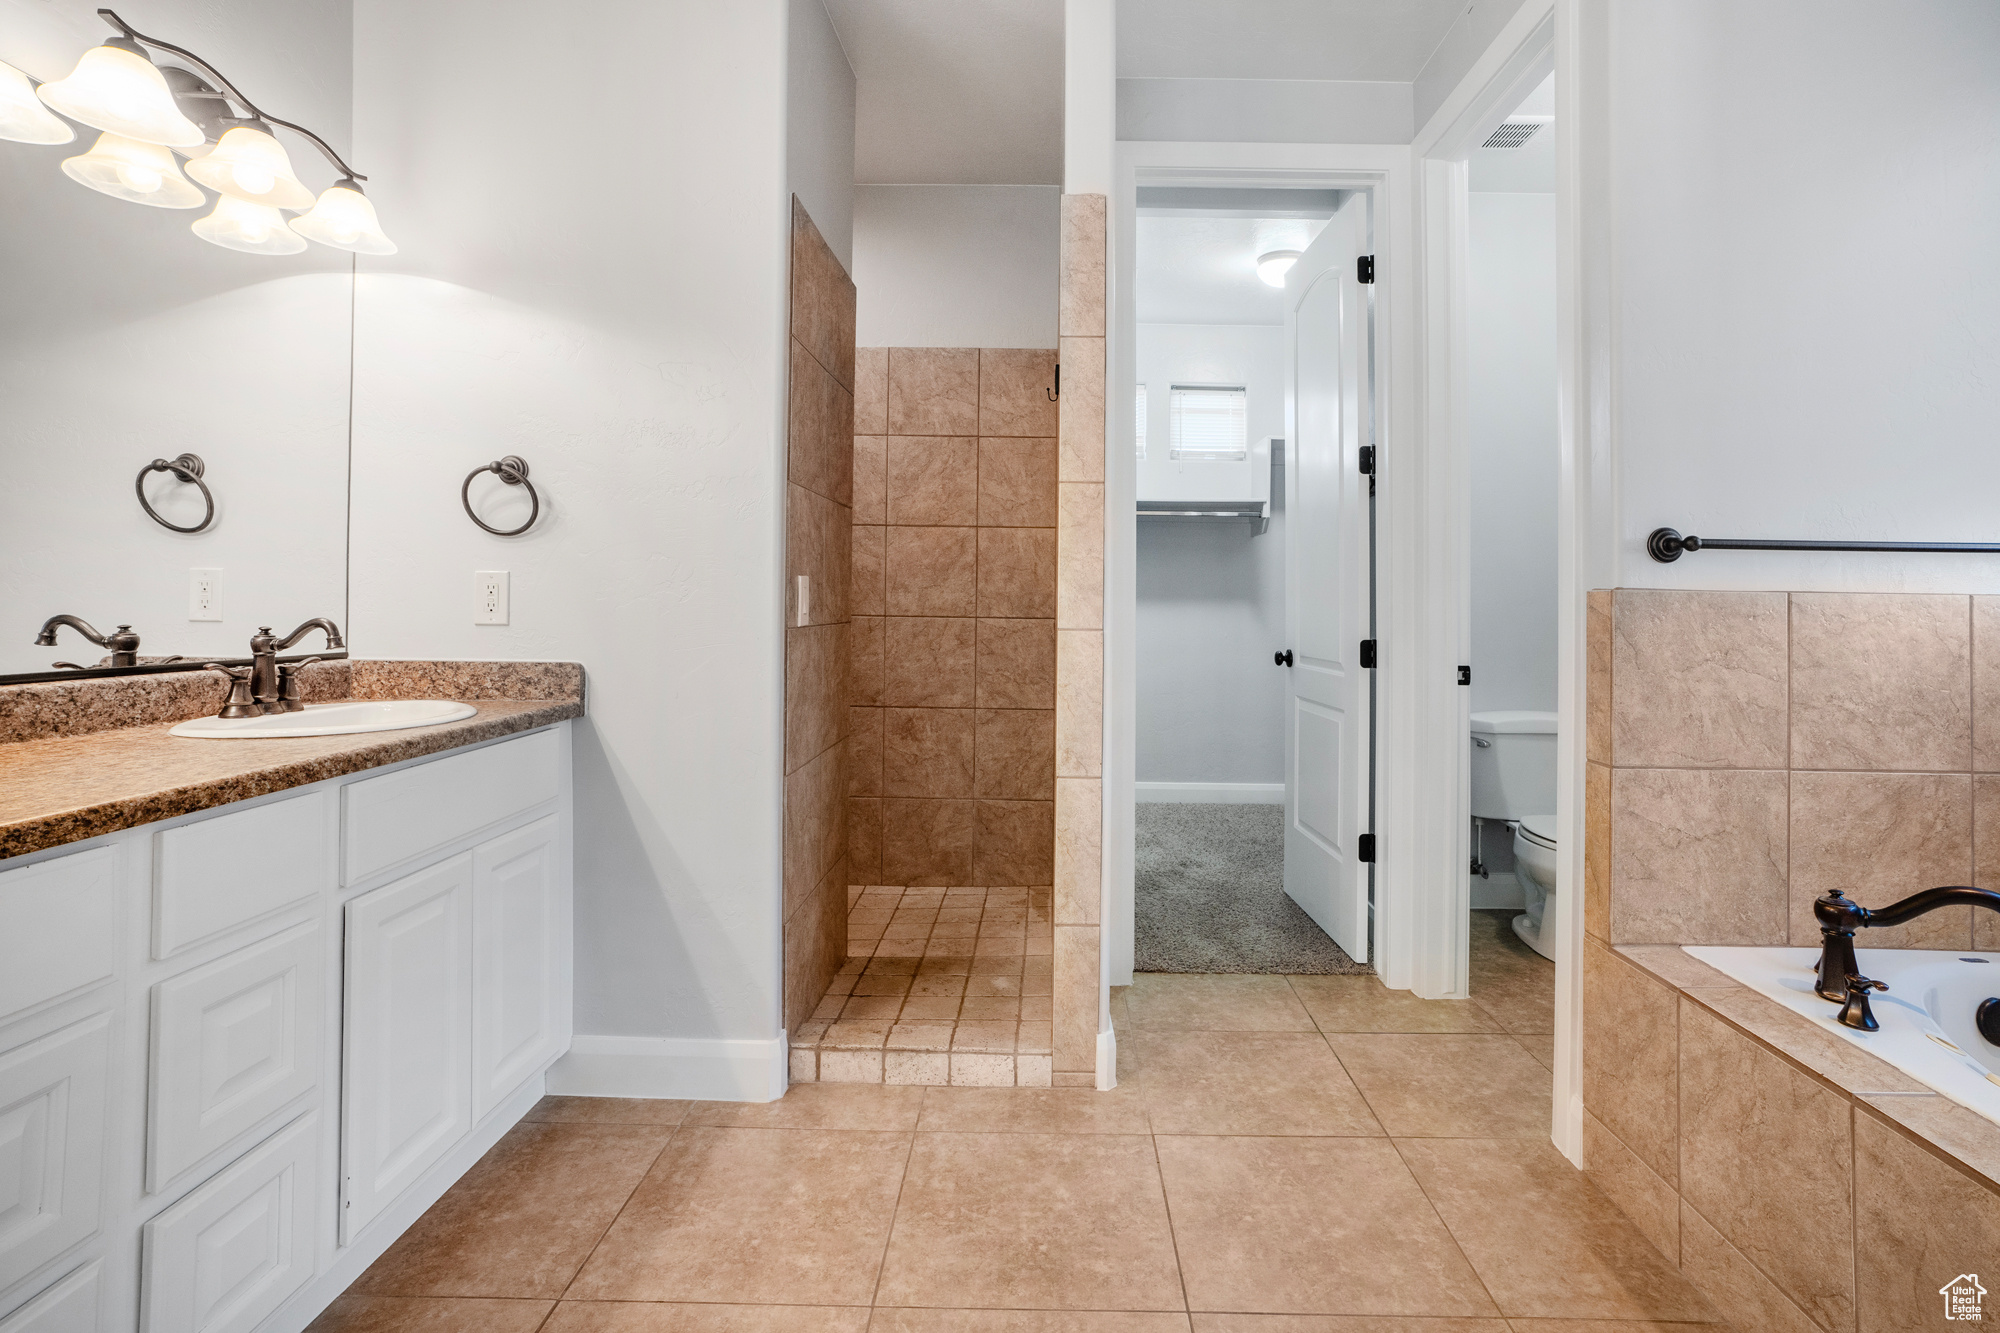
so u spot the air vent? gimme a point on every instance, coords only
(1512, 134)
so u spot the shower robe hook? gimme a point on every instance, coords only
(1056, 392)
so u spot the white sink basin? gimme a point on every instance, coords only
(329, 720)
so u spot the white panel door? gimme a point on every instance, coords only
(234, 1041)
(230, 1253)
(51, 1144)
(70, 1306)
(1326, 581)
(520, 952)
(407, 1061)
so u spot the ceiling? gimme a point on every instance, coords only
(1368, 40)
(955, 92)
(1203, 270)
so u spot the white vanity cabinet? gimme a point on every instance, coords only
(241, 1051)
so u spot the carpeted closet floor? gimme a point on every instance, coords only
(1211, 896)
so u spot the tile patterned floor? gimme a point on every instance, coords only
(941, 987)
(1302, 1155)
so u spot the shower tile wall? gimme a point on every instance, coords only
(819, 493)
(954, 601)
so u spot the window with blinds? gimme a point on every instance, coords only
(1139, 420)
(1209, 422)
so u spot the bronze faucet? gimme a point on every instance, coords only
(266, 684)
(1840, 978)
(122, 643)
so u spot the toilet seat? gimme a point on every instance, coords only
(1539, 829)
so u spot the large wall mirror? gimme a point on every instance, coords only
(126, 339)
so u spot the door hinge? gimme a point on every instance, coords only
(1366, 851)
(1364, 269)
(1367, 460)
(1368, 654)
(1465, 675)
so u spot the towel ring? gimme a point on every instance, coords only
(513, 469)
(187, 468)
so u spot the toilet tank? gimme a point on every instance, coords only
(1514, 773)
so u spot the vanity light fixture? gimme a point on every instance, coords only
(255, 229)
(145, 109)
(1274, 265)
(249, 164)
(344, 219)
(23, 118)
(144, 173)
(117, 88)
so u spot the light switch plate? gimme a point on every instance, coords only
(204, 594)
(802, 597)
(489, 597)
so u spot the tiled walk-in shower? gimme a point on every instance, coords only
(941, 986)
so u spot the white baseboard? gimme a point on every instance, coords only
(1501, 891)
(1209, 793)
(716, 1069)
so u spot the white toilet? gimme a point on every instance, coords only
(1514, 779)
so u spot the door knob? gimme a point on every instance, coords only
(1283, 659)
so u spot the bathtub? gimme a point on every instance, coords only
(1926, 1014)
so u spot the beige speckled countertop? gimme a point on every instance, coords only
(62, 788)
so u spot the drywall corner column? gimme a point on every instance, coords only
(1080, 643)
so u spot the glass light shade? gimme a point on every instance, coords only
(144, 173)
(114, 90)
(255, 229)
(1273, 267)
(23, 118)
(345, 219)
(250, 165)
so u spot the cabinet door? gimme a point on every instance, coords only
(230, 1253)
(407, 1085)
(70, 1306)
(233, 1041)
(51, 1144)
(520, 956)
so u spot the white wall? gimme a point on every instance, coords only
(132, 339)
(1464, 42)
(819, 125)
(1211, 606)
(956, 265)
(1264, 111)
(1800, 200)
(1511, 427)
(620, 325)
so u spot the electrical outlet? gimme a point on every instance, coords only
(204, 594)
(489, 596)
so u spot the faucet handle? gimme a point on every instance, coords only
(1856, 1013)
(290, 692)
(240, 702)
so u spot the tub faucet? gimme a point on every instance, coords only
(1839, 916)
(265, 685)
(121, 643)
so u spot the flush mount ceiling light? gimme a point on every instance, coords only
(23, 118)
(145, 109)
(144, 173)
(1273, 265)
